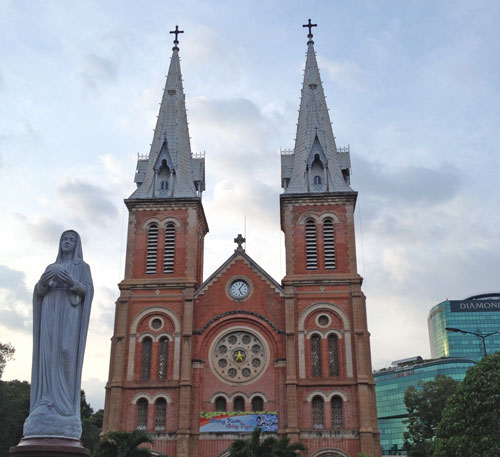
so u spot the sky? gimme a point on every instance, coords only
(412, 87)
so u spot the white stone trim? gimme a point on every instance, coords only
(217, 395)
(150, 323)
(318, 306)
(327, 396)
(169, 219)
(146, 335)
(140, 395)
(150, 221)
(161, 335)
(330, 452)
(165, 396)
(332, 216)
(159, 310)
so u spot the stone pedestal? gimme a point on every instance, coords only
(48, 446)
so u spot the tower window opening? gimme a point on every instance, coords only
(142, 414)
(317, 179)
(317, 413)
(337, 416)
(311, 245)
(329, 244)
(164, 185)
(333, 355)
(316, 356)
(160, 413)
(239, 404)
(257, 404)
(147, 344)
(152, 249)
(163, 358)
(220, 404)
(169, 254)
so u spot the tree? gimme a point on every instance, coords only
(269, 447)
(124, 444)
(6, 354)
(425, 405)
(469, 426)
(91, 423)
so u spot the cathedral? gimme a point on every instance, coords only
(198, 364)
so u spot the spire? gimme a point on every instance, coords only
(171, 170)
(316, 165)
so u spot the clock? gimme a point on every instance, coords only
(239, 289)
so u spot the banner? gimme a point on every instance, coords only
(238, 421)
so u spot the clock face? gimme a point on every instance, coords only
(239, 289)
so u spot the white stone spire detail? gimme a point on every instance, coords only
(315, 164)
(171, 171)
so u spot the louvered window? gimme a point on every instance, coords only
(337, 417)
(257, 404)
(169, 255)
(317, 413)
(333, 355)
(311, 245)
(147, 344)
(142, 414)
(316, 355)
(239, 404)
(220, 404)
(160, 414)
(329, 244)
(163, 358)
(152, 251)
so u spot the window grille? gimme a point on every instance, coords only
(337, 418)
(152, 250)
(239, 404)
(220, 404)
(169, 255)
(311, 247)
(160, 414)
(317, 413)
(163, 358)
(329, 244)
(257, 404)
(333, 355)
(142, 414)
(316, 355)
(147, 344)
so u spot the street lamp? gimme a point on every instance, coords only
(483, 336)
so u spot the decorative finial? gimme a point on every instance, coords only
(309, 26)
(239, 240)
(176, 41)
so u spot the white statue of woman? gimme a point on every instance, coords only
(61, 312)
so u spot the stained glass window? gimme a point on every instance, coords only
(142, 414)
(333, 355)
(257, 404)
(316, 355)
(317, 412)
(220, 404)
(337, 418)
(160, 414)
(152, 250)
(146, 358)
(163, 358)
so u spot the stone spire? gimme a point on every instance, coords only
(170, 170)
(315, 165)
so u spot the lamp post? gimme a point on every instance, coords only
(483, 336)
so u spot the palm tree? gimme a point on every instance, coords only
(269, 447)
(124, 444)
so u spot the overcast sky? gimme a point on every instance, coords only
(412, 87)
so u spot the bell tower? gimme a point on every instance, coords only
(329, 374)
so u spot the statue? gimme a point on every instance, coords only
(61, 312)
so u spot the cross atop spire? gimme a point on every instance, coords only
(309, 26)
(176, 41)
(239, 240)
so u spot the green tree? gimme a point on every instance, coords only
(124, 444)
(269, 447)
(425, 405)
(6, 354)
(91, 423)
(469, 427)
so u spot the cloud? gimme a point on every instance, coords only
(2, 84)
(96, 70)
(87, 203)
(42, 229)
(15, 299)
(344, 73)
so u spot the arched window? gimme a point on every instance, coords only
(317, 413)
(337, 417)
(316, 355)
(311, 245)
(169, 254)
(257, 404)
(164, 185)
(333, 355)
(147, 344)
(317, 179)
(239, 404)
(142, 414)
(152, 250)
(160, 413)
(329, 244)
(163, 358)
(220, 404)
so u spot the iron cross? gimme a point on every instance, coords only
(177, 31)
(309, 26)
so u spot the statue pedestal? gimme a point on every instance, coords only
(48, 446)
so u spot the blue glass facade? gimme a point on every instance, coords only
(478, 314)
(390, 386)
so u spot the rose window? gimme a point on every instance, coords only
(239, 356)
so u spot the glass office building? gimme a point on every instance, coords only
(390, 386)
(477, 314)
